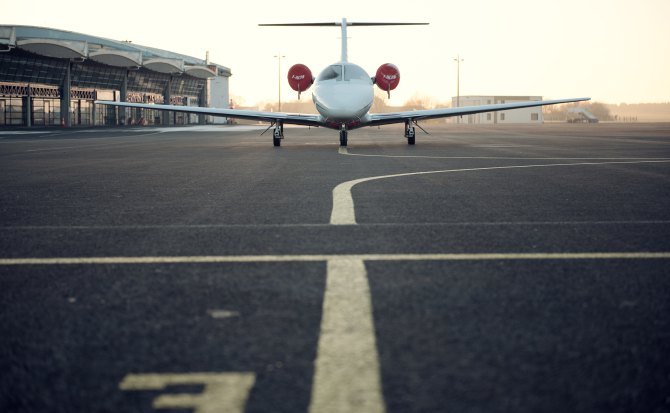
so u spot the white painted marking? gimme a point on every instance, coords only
(211, 128)
(223, 313)
(498, 145)
(84, 146)
(344, 151)
(279, 226)
(150, 130)
(347, 377)
(199, 259)
(223, 392)
(21, 132)
(343, 212)
(84, 143)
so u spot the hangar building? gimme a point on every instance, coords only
(525, 115)
(51, 77)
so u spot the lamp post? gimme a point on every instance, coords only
(279, 57)
(458, 61)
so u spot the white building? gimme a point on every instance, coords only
(526, 115)
(219, 97)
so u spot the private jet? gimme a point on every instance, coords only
(343, 94)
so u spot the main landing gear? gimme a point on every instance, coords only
(278, 134)
(409, 132)
(343, 136)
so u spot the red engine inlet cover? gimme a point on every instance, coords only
(300, 77)
(387, 77)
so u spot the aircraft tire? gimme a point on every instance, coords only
(343, 138)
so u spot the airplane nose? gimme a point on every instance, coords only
(346, 104)
(343, 110)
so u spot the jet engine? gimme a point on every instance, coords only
(387, 77)
(300, 78)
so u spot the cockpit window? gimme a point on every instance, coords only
(352, 72)
(345, 71)
(331, 72)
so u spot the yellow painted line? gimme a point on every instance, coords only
(197, 259)
(346, 372)
(222, 393)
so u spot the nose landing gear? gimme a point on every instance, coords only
(343, 136)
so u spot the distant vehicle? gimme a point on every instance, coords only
(343, 94)
(581, 115)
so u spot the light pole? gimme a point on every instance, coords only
(279, 57)
(458, 61)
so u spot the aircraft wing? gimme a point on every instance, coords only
(415, 115)
(289, 118)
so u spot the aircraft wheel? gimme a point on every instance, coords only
(343, 138)
(411, 140)
(276, 141)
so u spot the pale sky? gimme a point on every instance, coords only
(610, 50)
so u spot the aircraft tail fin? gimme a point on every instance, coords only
(343, 24)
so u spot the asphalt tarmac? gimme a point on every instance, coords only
(485, 269)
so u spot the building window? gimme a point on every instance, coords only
(534, 116)
(502, 116)
(488, 116)
(12, 111)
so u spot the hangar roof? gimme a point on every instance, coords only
(63, 44)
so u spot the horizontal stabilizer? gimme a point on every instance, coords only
(343, 24)
(339, 24)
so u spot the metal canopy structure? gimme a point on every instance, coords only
(202, 72)
(7, 38)
(63, 44)
(118, 58)
(163, 65)
(60, 49)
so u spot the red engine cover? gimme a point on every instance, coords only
(387, 77)
(300, 77)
